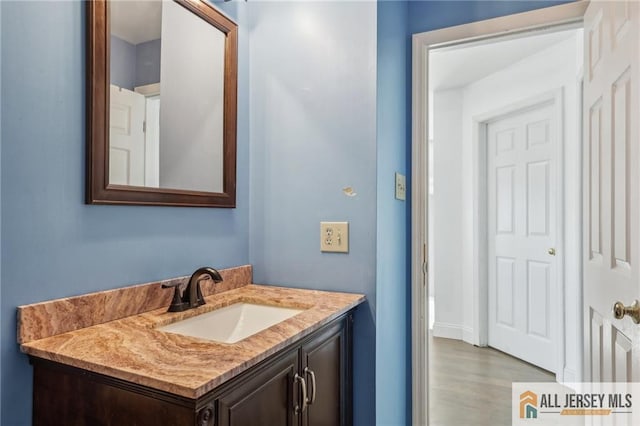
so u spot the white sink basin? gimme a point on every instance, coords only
(231, 323)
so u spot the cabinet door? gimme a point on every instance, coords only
(325, 359)
(267, 397)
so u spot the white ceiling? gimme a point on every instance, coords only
(136, 21)
(460, 65)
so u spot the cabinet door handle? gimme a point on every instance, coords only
(297, 378)
(308, 371)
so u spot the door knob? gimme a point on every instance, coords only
(619, 311)
(552, 251)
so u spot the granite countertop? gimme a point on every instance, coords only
(132, 349)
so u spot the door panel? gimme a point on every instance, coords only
(612, 189)
(538, 133)
(324, 356)
(620, 115)
(539, 288)
(126, 137)
(522, 204)
(504, 200)
(596, 331)
(268, 398)
(505, 272)
(594, 175)
(538, 199)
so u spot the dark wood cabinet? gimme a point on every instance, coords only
(264, 398)
(308, 383)
(325, 365)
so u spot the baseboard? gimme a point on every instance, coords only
(468, 336)
(448, 331)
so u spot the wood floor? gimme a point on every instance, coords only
(471, 386)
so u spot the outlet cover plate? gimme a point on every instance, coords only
(334, 237)
(401, 187)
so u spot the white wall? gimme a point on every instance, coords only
(551, 69)
(191, 91)
(447, 214)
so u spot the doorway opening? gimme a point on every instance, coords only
(524, 104)
(499, 200)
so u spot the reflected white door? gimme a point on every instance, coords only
(612, 187)
(126, 137)
(522, 228)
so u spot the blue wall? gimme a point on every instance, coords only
(134, 65)
(148, 62)
(433, 14)
(313, 132)
(0, 205)
(123, 63)
(53, 245)
(393, 355)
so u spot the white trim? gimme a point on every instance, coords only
(467, 334)
(540, 19)
(569, 13)
(561, 204)
(420, 199)
(579, 320)
(148, 89)
(447, 331)
(480, 275)
(480, 283)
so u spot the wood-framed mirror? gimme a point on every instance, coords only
(161, 103)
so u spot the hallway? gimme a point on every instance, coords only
(471, 386)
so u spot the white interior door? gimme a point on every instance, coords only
(612, 187)
(126, 137)
(522, 228)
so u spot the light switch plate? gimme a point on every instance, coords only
(401, 187)
(334, 237)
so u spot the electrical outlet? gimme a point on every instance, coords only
(401, 187)
(334, 237)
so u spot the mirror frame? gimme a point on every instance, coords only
(98, 189)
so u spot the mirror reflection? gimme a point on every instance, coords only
(166, 98)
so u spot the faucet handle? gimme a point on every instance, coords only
(172, 284)
(177, 304)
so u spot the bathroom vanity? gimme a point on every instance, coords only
(267, 394)
(128, 371)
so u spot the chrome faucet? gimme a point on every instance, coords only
(192, 297)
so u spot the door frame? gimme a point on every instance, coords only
(540, 19)
(480, 274)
